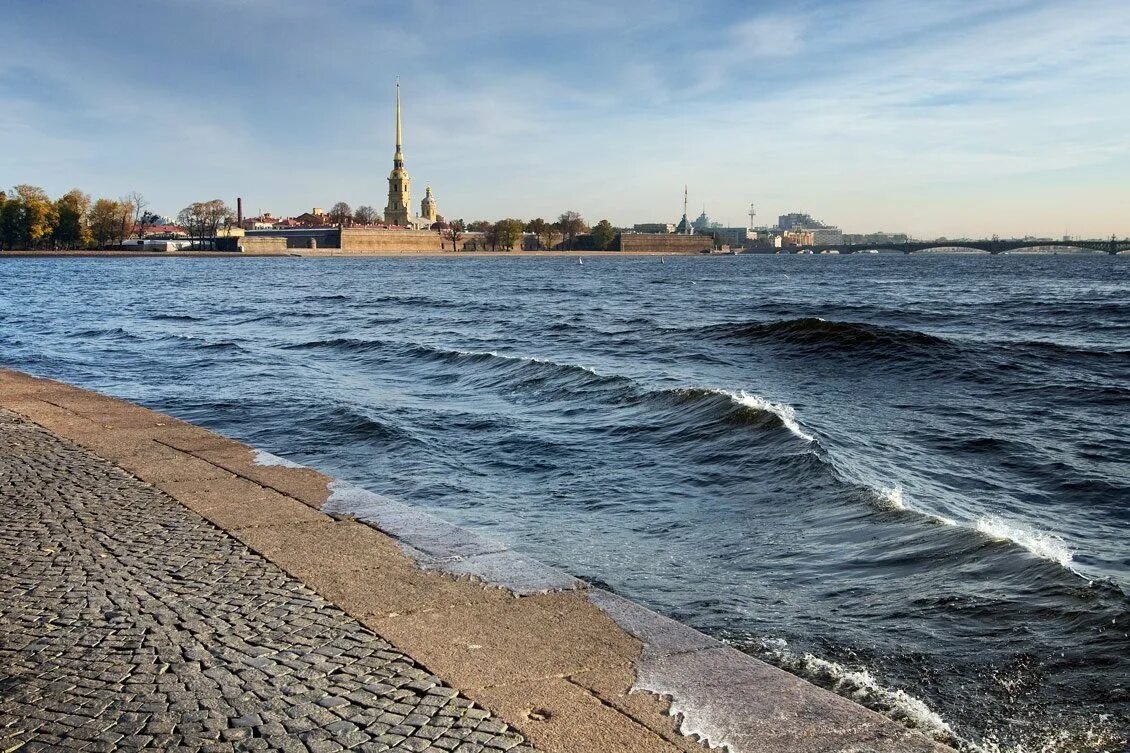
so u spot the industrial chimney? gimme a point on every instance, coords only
(239, 211)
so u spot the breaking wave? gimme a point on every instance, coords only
(1049, 546)
(861, 686)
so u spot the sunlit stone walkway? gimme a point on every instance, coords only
(128, 622)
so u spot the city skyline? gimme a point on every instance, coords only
(963, 120)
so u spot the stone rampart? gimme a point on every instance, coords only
(378, 240)
(262, 245)
(662, 242)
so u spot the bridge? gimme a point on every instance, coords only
(992, 246)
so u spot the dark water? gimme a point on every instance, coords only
(939, 530)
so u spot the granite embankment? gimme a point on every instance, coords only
(163, 586)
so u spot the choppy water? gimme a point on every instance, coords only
(903, 477)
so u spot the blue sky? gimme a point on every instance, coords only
(949, 117)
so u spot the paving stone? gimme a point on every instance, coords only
(130, 622)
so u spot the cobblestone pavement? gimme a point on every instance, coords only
(128, 622)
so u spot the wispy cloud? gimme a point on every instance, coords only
(844, 108)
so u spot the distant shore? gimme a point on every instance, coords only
(325, 253)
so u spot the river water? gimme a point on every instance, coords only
(904, 478)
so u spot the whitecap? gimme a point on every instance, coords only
(892, 498)
(861, 686)
(1050, 546)
(782, 411)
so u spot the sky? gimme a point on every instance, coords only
(956, 118)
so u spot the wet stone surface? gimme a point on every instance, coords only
(129, 622)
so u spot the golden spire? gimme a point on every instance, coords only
(399, 142)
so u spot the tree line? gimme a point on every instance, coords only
(504, 234)
(29, 219)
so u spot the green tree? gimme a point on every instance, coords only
(11, 220)
(508, 232)
(571, 225)
(603, 234)
(71, 227)
(542, 230)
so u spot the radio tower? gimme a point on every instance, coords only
(752, 214)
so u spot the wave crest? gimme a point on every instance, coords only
(1049, 546)
(813, 331)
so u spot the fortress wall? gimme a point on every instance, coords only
(262, 245)
(676, 244)
(379, 240)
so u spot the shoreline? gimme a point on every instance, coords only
(572, 667)
(335, 253)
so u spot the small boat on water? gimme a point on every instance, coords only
(580, 260)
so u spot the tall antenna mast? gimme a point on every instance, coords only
(752, 214)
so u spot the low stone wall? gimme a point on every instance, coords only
(262, 245)
(675, 244)
(379, 240)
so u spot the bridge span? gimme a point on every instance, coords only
(992, 246)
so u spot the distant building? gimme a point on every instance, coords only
(398, 211)
(733, 236)
(704, 223)
(314, 218)
(797, 221)
(831, 236)
(803, 222)
(797, 238)
(428, 206)
(879, 238)
(654, 227)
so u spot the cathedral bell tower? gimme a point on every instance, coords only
(398, 210)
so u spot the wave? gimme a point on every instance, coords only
(861, 686)
(177, 318)
(821, 332)
(784, 412)
(1049, 546)
(894, 498)
(344, 420)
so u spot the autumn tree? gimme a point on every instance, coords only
(106, 221)
(480, 226)
(72, 229)
(571, 224)
(603, 234)
(365, 215)
(36, 216)
(508, 232)
(341, 213)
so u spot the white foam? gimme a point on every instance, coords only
(262, 457)
(782, 411)
(892, 497)
(1050, 546)
(862, 687)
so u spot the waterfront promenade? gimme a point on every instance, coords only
(167, 588)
